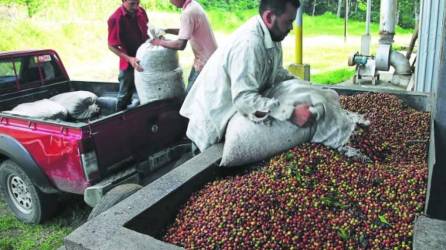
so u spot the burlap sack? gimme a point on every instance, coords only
(80, 105)
(247, 142)
(43, 109)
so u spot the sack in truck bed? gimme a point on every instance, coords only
(80, 105)
(44, 109)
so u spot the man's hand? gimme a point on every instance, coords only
(135, 64)
(156, 42)
(302, 116)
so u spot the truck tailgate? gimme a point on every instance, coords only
(130, 136)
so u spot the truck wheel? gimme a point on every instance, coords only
(26, 201)
(114, 196)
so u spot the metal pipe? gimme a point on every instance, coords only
(401, 64)
(387, 21)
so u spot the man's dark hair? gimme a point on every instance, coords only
(276, 6)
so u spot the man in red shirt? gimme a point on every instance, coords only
(127, 30)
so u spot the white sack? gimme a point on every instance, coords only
(334, 124)
(79, 104)
(43, 109)
(154, 87)
(162, 77)
(247, 142)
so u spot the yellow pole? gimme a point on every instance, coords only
(298, 68)
(299, 36)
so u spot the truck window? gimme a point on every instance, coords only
(41, 69)
(51, 69)
(8, 77)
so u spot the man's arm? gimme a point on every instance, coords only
(184, 34)
(301, 115)
(179, 44)
(284, 75)
(131, 60)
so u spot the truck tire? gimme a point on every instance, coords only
(26, 201)
(112, 197)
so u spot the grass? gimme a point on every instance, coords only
(17, 235)
(225, 22)
(326, 24)
(333, 77)
(329, 24)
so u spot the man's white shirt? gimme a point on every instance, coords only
(233, 80)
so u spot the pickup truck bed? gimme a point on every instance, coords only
(118, 138)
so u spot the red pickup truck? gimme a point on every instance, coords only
(43, 158)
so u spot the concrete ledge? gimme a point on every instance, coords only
(429, 234)
(110, 230)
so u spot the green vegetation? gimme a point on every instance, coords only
(326, 24)
(357, 11)
(70, 24)
(330, 24)
(77, 31)
(406, 14)
(32, 6)
(228, 22)
(17, 235)
(333, 77)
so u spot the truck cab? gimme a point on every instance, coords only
(41, 159)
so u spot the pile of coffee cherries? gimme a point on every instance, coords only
(313, 197)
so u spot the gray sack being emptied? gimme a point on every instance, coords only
(80, 105)
(248, 142)
(162, 77)
(43, 109)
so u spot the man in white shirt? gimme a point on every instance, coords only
(194, 27)
(237, 74)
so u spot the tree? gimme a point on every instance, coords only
(32, 6)
(338, 13)
(314, 7)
